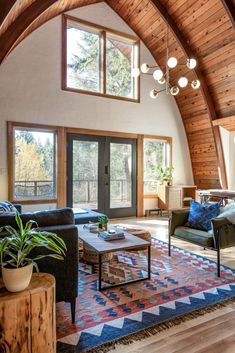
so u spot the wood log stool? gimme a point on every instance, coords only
(27, 318)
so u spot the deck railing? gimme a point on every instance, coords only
(34, 189)
(83, 190)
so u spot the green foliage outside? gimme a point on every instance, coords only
(84, 70)
(85, 66)
(34, 161)
(154, 160)
(118, 81)
(85, 170)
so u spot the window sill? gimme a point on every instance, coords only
(150, 196)
(35, 201)
(98, 94)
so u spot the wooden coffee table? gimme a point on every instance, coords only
(101, 246)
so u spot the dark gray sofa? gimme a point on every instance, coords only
(61, 222)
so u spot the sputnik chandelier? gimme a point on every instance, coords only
(163, 77)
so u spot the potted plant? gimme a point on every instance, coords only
(103, 222)
(15, 251)
(165, 175)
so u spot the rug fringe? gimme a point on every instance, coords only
(152, 330)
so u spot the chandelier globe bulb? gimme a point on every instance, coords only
(158, 74)
(172, 62)
(191, 63)
(153, 93)
(195, 84)
(174, 90)
(183, 81)
(144, 68)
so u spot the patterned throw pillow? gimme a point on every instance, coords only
(7, 207)
(200, 215)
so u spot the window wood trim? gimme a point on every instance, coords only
(60, 199)
(103, 32)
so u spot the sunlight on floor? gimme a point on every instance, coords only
(154, 222)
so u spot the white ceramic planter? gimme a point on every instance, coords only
(17, 279)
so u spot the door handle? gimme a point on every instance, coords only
(106, 170)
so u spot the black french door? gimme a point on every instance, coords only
(101, 174)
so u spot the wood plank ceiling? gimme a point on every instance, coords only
(202, 29)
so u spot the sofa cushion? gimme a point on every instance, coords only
(89, 216)
(200, 215)
(196, 236)
(57, 217)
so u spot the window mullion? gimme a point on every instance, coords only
(104, 60)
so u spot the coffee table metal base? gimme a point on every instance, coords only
(121, 284)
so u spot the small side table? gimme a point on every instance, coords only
(27, 318)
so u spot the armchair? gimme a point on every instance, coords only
(222, 235)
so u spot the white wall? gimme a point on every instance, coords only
(228, 141)
(30, 91)
(232, 161)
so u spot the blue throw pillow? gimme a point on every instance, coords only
(200, 215)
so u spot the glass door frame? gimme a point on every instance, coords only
(101, 146)
(104, 173)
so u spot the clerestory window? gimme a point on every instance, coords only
(100, 61)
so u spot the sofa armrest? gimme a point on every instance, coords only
(65, 271)
(224, 232)
(178, 218)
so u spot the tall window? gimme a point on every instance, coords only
(99, 61)
(34, 164)
(156, 153)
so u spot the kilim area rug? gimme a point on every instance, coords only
(182, 287)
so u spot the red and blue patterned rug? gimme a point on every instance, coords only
(180, 285)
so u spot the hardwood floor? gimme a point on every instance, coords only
(210, 333)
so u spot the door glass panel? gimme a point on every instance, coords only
(85, 174)
(120, 175)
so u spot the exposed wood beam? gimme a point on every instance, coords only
(5, 6)
(22, 22)
(230, 9)
(50, 13)
(227, 123)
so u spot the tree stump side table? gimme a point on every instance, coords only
(27, 318)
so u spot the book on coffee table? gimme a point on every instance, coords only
(111, 234)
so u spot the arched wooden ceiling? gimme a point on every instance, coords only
(202, 29)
